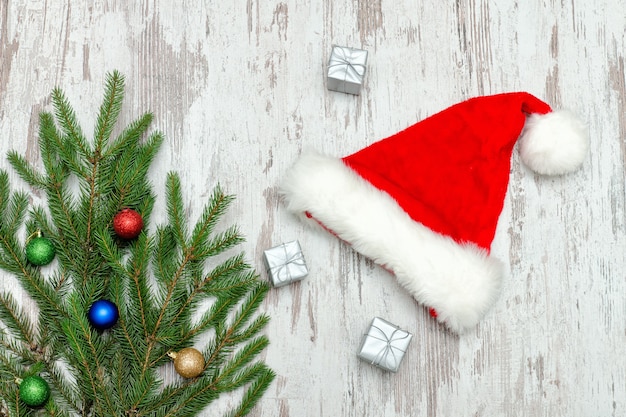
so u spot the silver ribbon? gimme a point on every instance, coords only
(348, 63)
(293, 258)
(382, 357)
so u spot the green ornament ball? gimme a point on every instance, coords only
(34, 391)
(40, 251)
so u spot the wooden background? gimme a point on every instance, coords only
(238, 88)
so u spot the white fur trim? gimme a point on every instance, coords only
(554, 143)
(460, 281)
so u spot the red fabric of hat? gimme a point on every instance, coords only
(425, 202)
(450, 172)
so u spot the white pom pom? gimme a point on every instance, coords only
(554, 143)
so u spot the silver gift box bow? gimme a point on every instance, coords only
(346, 69)
(384, 345)
(285, 263)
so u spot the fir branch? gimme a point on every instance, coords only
(111, 253)
(171, 290)
(219, 313)
(256, 389)
(88, 358)
(218, 351)
(219, 243)
(130, 335)
(164, 260)
(236, 369)
(131, 171)
(214, 210)
(10, 363)
(54, 411)
(5, 191)
(255, 296)
(64, 146)
(25, 171)
(12, 316)
(171, 403)
(110, 109)
(230, 278)
(247, 375)
(159, 281)
(213, 318)
(12, 400)
(175, 210)
(66, 245)
(67, 389)
(30, 278)
(230, 268)
(254, 328)
(132, 395)
(131, 288)
(66, 117)
(129, 137)
(195, 397)
(64, 216)
(13, 216)
(13, 207)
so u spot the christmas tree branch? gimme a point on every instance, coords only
(9, 365)
(109, 110)
(175, 400)
(66, 148)
(158, 281)
(137, 289)
(175, 211)
(13, 404)
(129, 137)
(256, 389)
(131, 170)
(236, 369)
(87, 351)
(40, 221)
(15, 320)
(31, 280)
(218, 204)
(215, 208)
(228, 275)
(66, 389)
(66, 117)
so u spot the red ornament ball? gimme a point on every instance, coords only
(127, 223)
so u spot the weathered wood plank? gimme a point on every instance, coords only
(238, 89)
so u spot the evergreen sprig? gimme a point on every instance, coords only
(173, 286)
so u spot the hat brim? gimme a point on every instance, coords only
(460, 281)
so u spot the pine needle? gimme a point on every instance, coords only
(170, 290)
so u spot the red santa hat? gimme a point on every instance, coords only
(425, 202)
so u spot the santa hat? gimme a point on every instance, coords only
(424, 203)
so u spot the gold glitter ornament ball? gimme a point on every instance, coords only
(188, 362)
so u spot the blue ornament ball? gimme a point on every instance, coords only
(103, 314)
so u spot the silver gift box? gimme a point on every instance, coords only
(384, 345)
(285, 263)
(346, 69)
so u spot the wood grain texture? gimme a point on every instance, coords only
(238, 89)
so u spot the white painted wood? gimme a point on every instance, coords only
(238, 88)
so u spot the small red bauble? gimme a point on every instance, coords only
(127, 224)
